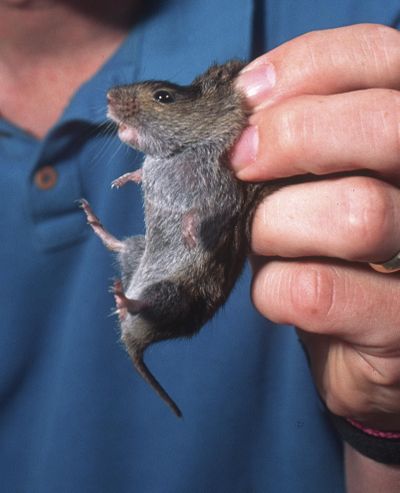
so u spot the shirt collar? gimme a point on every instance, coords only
(89, 102)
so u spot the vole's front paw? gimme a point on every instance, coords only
(135, 176)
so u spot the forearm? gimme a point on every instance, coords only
(363, 475)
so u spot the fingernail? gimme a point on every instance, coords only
(245, 150)
(256, 81)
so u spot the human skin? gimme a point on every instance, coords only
(38, 75)
(338, 304)
(324, 103)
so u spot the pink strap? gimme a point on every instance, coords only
(371, 431)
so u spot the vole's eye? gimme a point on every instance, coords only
(163, 96)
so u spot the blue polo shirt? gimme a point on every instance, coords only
(74, 415)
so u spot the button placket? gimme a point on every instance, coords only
(54, 190)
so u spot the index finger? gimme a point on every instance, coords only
(325, 62)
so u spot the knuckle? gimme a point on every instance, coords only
(382, 43)
(313, 40)
(382, 34)
(290, 128)
(310, 40)
(378, 117)
(312, 294)
(390, 101)
(300, 294)
(376, 31)
(377, 38)
(369, 216)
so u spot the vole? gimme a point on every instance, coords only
(197, 214)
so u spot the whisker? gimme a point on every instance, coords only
(107, 142)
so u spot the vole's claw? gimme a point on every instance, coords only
(82, 203)
(126, 305)
(92, 219)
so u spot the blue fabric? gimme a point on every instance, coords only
(74, 416)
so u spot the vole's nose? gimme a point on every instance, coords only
(122, 104)
(111, 97)
(121, 96)
(116, 95)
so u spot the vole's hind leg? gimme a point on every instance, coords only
(135, 176)
(124, 304)
(171, 308)
(108, 239)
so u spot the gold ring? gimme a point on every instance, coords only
(392, 265)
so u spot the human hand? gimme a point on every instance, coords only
(324, 103)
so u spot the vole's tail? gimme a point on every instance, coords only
(145, 373)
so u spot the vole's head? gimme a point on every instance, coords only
(161, 119)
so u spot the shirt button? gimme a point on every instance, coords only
(45, 177)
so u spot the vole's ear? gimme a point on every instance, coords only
(218, 75)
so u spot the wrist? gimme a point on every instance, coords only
(364, 475)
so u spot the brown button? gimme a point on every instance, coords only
(45, 177)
